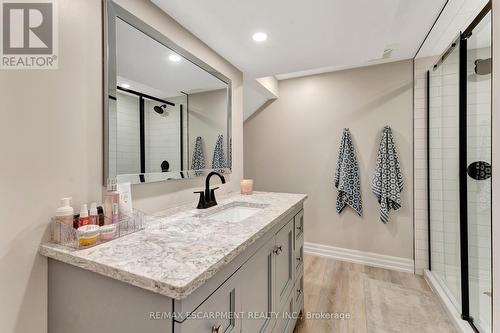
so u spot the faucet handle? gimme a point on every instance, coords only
(201, 201)
(212, 195)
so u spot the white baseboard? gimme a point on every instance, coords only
(460, 324)
(360, 257)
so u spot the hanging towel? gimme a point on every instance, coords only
(347, 176)
(387, 182)
(219, 160)
(198, 162)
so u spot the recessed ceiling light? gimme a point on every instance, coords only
(259, 36)
(125, 85)
(174, 58)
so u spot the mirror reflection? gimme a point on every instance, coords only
(168, 117)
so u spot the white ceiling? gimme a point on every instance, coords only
(317, 35)
(456, 16)
(143, 63)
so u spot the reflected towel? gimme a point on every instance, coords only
(387, 182)
(198, 162)
(347, 176)
(219, 159)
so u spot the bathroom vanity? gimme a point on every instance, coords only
(236, 267)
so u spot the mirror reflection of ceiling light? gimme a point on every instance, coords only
(259, 36)
(125, 85)
(174, 58)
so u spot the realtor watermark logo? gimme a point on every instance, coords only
(29, 34)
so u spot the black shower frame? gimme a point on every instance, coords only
(462, 160)
(142, 127)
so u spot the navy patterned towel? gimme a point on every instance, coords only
(347, 176)
(219, 160)
(387, 182)
(198, 162)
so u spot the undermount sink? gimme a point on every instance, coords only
(235, 212)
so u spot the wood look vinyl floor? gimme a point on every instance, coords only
(340, 288)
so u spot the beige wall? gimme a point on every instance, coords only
(292, 146)
(50, 143)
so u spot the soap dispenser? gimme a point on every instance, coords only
(64, 214)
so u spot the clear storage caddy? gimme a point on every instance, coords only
(93, 234)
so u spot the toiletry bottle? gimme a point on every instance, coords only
(114, 214)
(124, 200)
(100, 213)
(93, 214)
(110, 197)
(84, 218)
(64, 214)
(76, 220)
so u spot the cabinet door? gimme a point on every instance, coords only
(284, 264)
(217, 314)
(286, 319)
(256, 291)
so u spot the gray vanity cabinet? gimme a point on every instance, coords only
(259, 291)
(262, 290)
(268, 280)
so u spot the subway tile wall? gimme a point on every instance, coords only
(162, 136)
(444, 173)
(421, 66)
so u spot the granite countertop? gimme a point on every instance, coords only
(182, 247)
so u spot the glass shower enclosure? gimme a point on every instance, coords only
(459, 172)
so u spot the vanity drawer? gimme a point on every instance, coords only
(298, 292)
(284, 264)
(299, 224)
(217, 313)
(299, 255)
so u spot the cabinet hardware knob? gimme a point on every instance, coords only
(278, 250)
(299, 291)
(300, 228)
(215, 329)
(299, 259)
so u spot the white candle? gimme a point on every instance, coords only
(246, 186)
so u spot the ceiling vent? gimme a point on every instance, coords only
(387, 53)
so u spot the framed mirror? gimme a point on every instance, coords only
(167, 114)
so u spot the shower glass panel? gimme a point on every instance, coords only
(459, 171)
(479, 173)
(444, 194)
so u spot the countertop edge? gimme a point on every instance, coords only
(113, 273)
